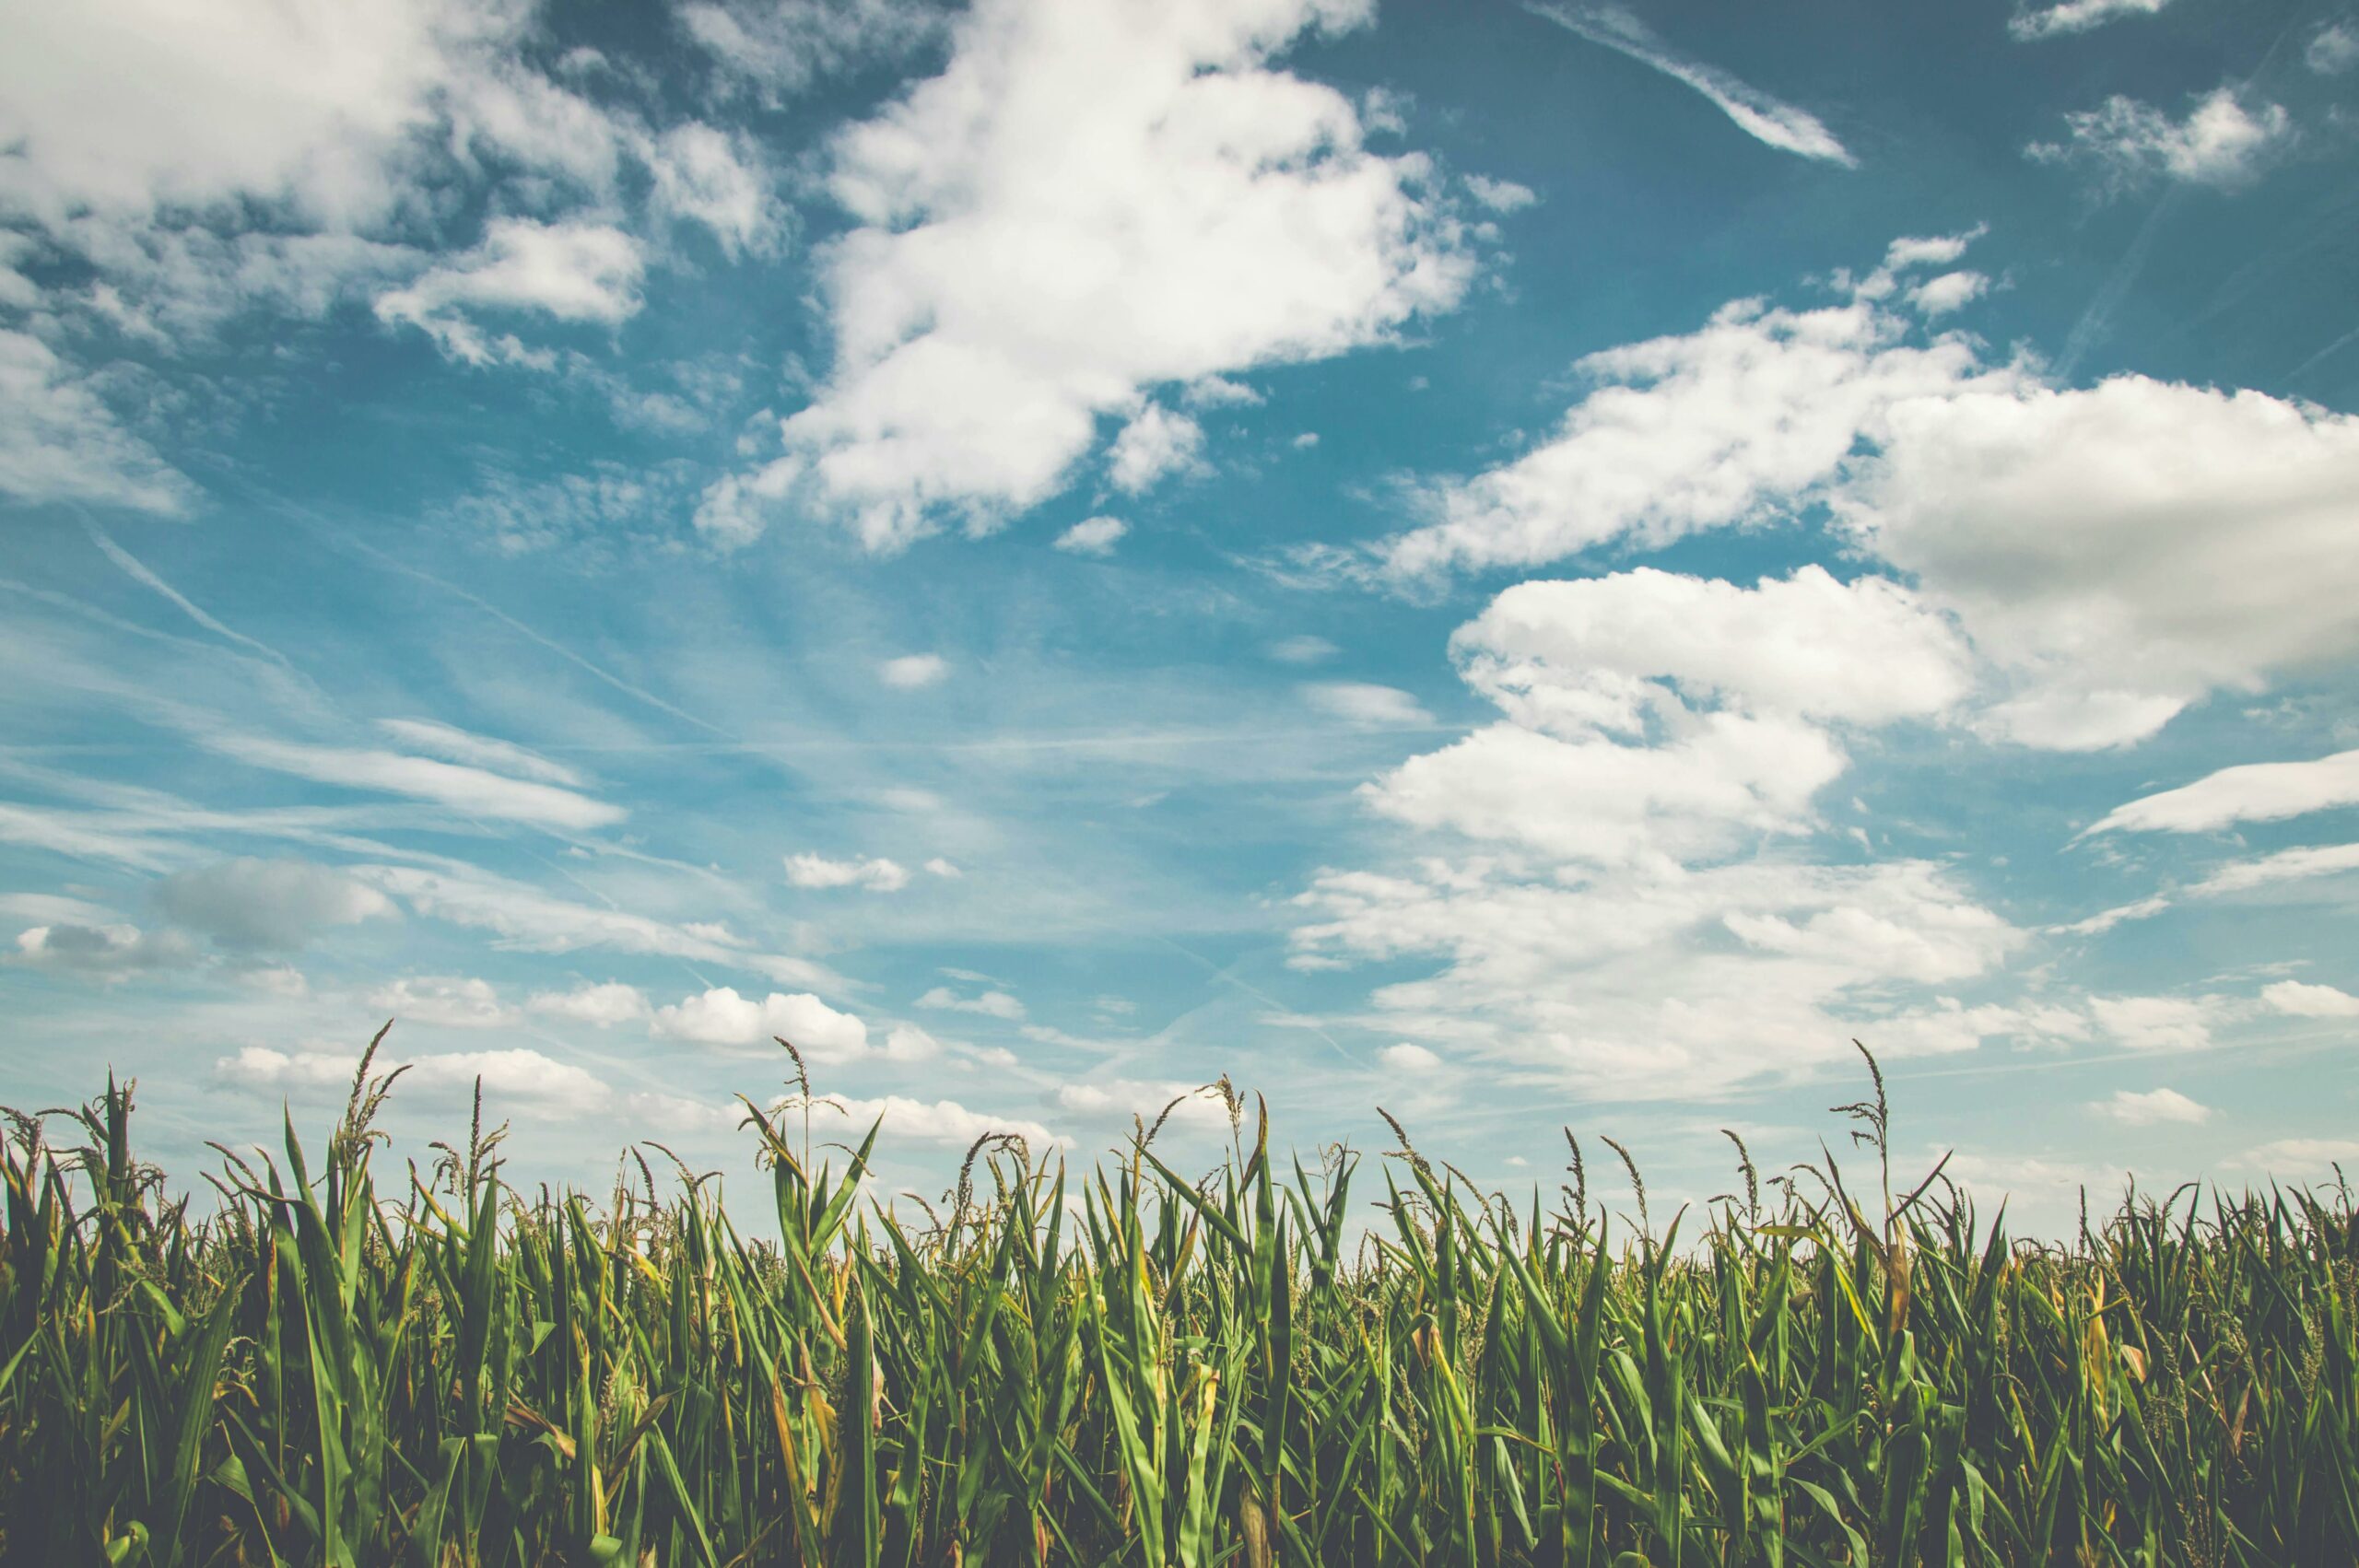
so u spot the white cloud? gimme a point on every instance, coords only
(990, 1004)
(1357, 702)
(2301, 1000)
(911, 670)
(722, 1017)
(1303, 649)
(453, 744)
(945, 1122)
(2075, 16)
(573, 271)
(1155, 443)
(1719, 426)
(1655, 715)
(2285, 865)
(1660, 982)
(907, 1042)
(2114, 552)
(469, 790)
(539, 1083)
(123, 105)
(775, 48)
(267, 905)
(2257, 791)
(1090, 202)
(1950, 291)
(451, 1001)
(1500, 195)
(874, 875)
(2221, 142)
(60, 442)
(2333, 51)
(1766, 119)
(1408, 1057)
(2122, 549)
(1620, 652)
(942, 868)
(1604, 911)
(2154, 1107)
(2300, 1158)
(1119, 1099)
(106, 953)
(605, 1005)
(1093, 536)
(1219, 392)
(205, 161)
(2158, 1023)
(716, 180)
(527, 918)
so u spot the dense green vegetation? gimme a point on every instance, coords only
(335, 1368)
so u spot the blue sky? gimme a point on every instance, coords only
(1530, 566)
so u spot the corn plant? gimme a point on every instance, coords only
(338, 1365)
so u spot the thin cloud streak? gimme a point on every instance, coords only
(1785, 126)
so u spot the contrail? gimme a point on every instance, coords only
(495, 613)
(138, 572)
(1766, 119)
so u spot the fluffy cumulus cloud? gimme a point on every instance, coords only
(1173, 1104)
(571, 271)
(268, 905)
(110, 953)
(2219, 142)
(2332, 50)
(2075, 16)
(605, 1004)
(2151, 1108)
(520, 1077)
(945, 1122)
(1156, 442)
(1652, 716)
(127, 105)
(188, 167)
(1090, 202)
(876, 876)
(1671, 981)
(2122, 549)
(2113, 552)
(1725, 426)
(722, 1017)
(1599, 893)
(708, 177)
(449, 1001)
(1093, 536)
(2159, 1023)
(2298, 999)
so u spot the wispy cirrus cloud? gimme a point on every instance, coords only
(2255, 791)
(469, 789)
(2073, 17)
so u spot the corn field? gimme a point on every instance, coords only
(334, 1367)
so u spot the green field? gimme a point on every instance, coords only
(340, 1364)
